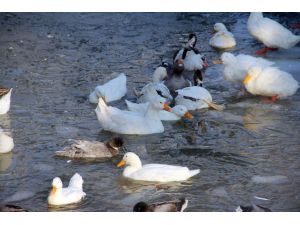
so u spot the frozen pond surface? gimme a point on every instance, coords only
(53, 61)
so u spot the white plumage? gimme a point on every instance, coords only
(5, 100)
(196, 98)
(71, 194)
(154, 172)
(236, 67)
(127, 122)
(151, 90)
(112, 90)
(6, 142)
(176, 112)
(192, 61)
(271, 33)
(270, 81)
(223, 38)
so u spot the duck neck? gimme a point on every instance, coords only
(113, 150)
(152, 113)
(255, 16)
(133, 167)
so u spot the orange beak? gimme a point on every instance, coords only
(121, 163)
(167, 107)
(53, 190)
(188, 115)
(217, 61)
(247, 79)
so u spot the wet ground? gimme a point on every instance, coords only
(53, 61)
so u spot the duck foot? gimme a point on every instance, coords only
(296, 26)
(264, 50)
(271, 99)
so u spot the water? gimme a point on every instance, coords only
(53, 61)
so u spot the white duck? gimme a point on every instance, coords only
(112, 90)
(153, 172)
(6, 142)
(196, 98)
(71, 194)
(236, 67)
(193, 59)
(5, 95)
(223, 38)
(161, 72)
(271, 33)
(153, 90)
(270, 82)
(176, 113)
(127, 122)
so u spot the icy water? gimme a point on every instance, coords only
(53, 61)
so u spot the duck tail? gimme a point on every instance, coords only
(136, 93)
(184, 203)
(194, 172)
(215, 106)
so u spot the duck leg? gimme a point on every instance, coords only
(271, 99)
(264, 50)
(295, 26)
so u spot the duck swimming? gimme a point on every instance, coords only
(71, 194)
(92, 149)
(271, 33)
(168, 206)
(5, 96)
(153, 172)
(193, 60)
(222, 39)
(196, 98)
(127, 122)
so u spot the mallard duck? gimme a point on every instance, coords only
(92, 149)
(69, 195)
(112, 90)
(6, 142)
(176, 113)
(271, 33)
(236, 67)
(270, 82)
(153, 172)
(196, 98)
(5, 95)
(178, 205)
(177, 80)
(193, 60)
(222, 39)
(12, 208)
(127, 122)
(252, 208)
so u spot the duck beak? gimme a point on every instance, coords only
(53, 190)
(167, 107)
(247, 79)
(188, 115)
(121, 163)
(217, 61)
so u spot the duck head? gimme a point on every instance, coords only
(252, 73)
(181, 111)
(192, 40)
(130, 159)
(140, 207)
(115, 143)
(226, 59)
(178, 67)
(56, 186)
(219, 27)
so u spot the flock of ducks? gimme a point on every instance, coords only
(170, 86)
